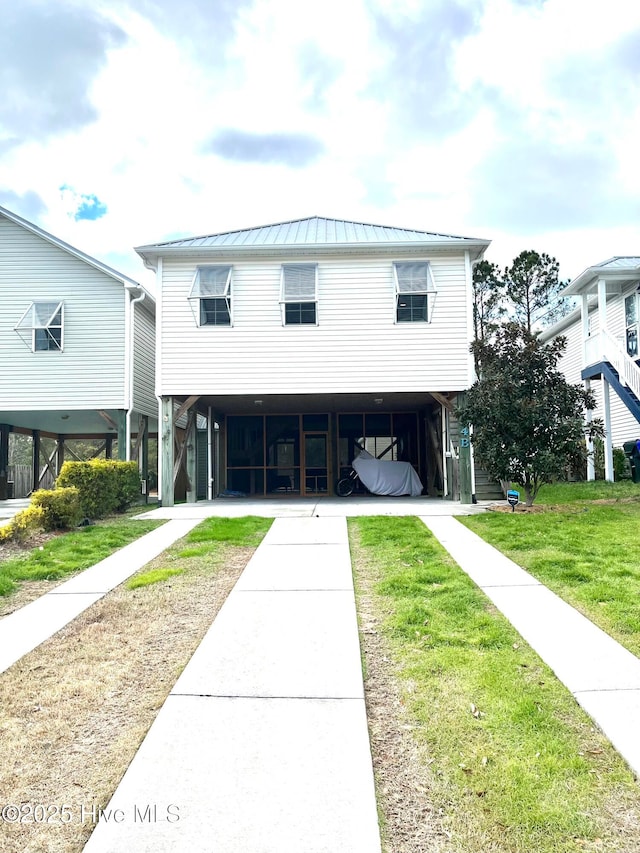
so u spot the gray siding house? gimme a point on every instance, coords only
(77, 349)
(298, 341)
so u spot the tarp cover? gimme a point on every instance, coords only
(387, 478)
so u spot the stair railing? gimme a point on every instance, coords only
(627, 369)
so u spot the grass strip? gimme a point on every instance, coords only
(151, 577)
(515, 764)
(71, 552)
(589, 554)
(554, 494)
(75, 710)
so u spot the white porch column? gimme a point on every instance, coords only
(608, 446)
(602, 303)
(591, 465)
(584, 316)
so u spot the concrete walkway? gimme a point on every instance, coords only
(601, 674)
(12, 507)
(262, 745)
(24, 630)
(324, 507)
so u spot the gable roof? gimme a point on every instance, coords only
(317, 232)
(77, 253)
(620, 269)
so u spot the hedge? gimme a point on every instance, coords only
(104, 485)
(61, 507)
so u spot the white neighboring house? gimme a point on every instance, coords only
(77, 349)
(602, 347)
(300, 340)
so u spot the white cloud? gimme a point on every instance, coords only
(509, 120)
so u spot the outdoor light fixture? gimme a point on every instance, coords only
(257, 402)
(378, 401)
(64, 417)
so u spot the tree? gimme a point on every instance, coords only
(487, 297)
(532, 286)
(528, 422)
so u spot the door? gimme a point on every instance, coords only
(315, 474)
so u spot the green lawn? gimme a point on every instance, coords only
(71, 552)
(554, 494)
(586, 552)
(203, 548)
(516, 764)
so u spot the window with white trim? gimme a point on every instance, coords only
(210, 295)
(631, 324)
(415, 291)
(41, 326)
(299, 294)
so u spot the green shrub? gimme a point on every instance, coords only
(105, 485)
(127, 484)
(61, 507)
(621, 465)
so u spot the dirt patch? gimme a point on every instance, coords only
(11, 548)
(411, 823)
(520, 508)
(76, 709)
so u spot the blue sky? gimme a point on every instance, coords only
(123, 123)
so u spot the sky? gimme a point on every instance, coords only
(128, 122)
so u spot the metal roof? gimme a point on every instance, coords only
(618, 270)
(623, 262)
(314, 231)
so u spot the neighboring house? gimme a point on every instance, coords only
(302, 340)
(77, 349)
(602, 347)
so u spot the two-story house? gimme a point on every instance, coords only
(301, 341)
(602, 347)
(77, 349)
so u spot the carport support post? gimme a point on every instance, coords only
(144, 455)
(191, 466)
(4, 461)
(59, 454)
(121, 420)
(166, 451)
(464, 461)
(35, 457)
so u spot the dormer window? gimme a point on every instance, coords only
(299, 294)
(210, 295)
(41, 326)
(415, 292)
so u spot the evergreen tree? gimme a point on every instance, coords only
(487, 299)
(531, 286)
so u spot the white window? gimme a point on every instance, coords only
(415, 292)
(299, 294)
(210, 295)
(631, 324)
(41, 326)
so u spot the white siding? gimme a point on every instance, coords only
(623, 425)
(90, 371)
(356, 346)
(144, 355)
